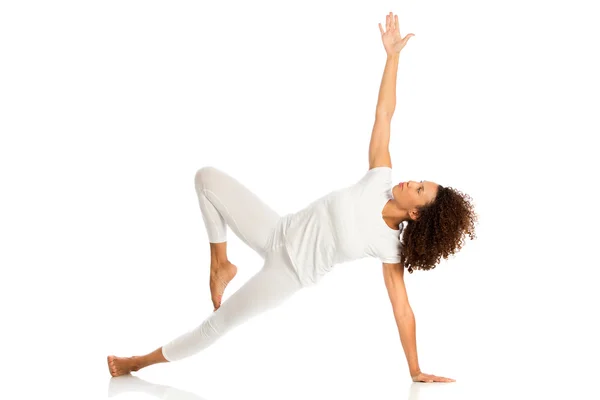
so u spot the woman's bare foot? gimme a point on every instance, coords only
(122, 365)
(220, 276)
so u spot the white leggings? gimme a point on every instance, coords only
(224, 201)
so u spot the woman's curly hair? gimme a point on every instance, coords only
(439, 230)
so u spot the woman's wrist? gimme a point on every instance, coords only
(415, 373)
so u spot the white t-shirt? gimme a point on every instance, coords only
(342, 226)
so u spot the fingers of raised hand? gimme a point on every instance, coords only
(391, 22)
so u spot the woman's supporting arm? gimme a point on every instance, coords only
(393, 276)
(407, 329)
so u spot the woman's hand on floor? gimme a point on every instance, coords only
(421, 377)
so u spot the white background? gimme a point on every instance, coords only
(108, 108)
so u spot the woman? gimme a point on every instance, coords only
(363, 219)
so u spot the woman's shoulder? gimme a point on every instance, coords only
(378, 174)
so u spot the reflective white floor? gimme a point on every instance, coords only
(136, 387)
(194, 380)
(133, 386)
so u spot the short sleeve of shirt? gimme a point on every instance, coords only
(390, 259)
(380, 178)
(392, 255)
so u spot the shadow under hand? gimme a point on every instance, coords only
(134, 384)
(441, 390)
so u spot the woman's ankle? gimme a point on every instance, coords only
(218, 252)
(138, 362)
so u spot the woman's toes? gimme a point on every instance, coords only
(111, 366)
(118, 366)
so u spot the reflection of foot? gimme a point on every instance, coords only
(122, 384)
(130, 383)
(121, 365)
(220, 276)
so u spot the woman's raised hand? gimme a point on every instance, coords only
(392, 42)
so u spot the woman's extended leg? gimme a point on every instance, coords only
(224, 201)
(267, 289)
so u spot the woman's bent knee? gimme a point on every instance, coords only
(202, 174)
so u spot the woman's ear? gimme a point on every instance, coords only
(414, 214)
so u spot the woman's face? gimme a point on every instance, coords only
(411, 194)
